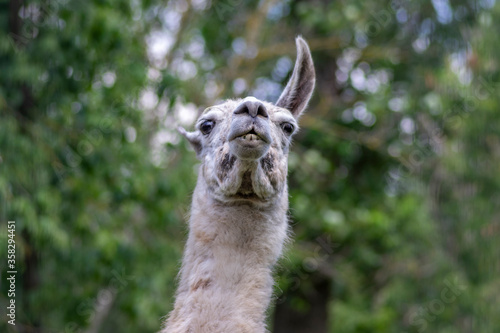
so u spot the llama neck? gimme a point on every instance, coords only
(226, 277)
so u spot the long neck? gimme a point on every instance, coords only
(226, 276)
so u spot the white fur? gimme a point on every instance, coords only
(238, 221)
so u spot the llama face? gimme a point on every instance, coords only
(244, 148)
(243, 144)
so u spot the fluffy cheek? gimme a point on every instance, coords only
(225, 174)
(221, 171)
(226, 163)
(270, 176)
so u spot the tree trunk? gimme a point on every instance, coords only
(314, 319)
(27, 320)
(30, 282)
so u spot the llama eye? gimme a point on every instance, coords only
(207, 126)
(287, 128)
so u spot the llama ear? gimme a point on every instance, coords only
(299, 88)
(193, 138)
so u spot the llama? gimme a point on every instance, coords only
(238, 222)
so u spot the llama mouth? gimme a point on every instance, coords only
(250, 140)
(249, 143)
(250, 136)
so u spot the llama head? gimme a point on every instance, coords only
(243, 144)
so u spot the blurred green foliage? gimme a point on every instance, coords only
(393, 178)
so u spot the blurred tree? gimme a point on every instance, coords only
(95, 217)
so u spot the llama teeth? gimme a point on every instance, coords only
(250, 137)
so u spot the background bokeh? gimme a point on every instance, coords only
(394, 177)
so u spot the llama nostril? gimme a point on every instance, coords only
(253, 108)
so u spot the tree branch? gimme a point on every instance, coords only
(253, 28)
(182, 27)
(101, 309)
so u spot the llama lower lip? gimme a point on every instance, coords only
(250, 140)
